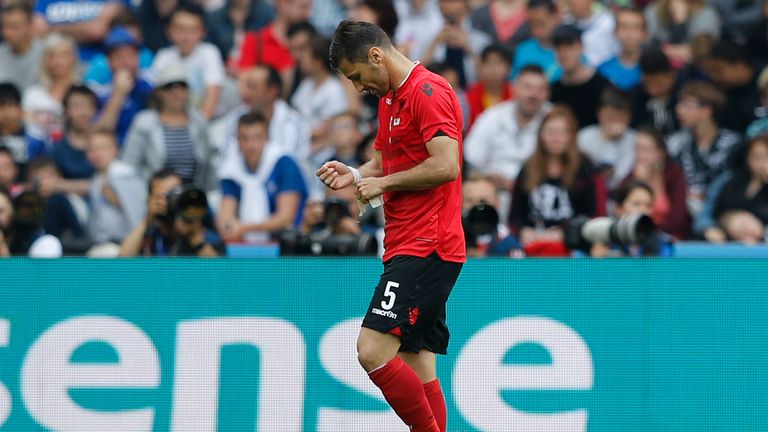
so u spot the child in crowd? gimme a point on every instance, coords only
(492, 86)
(611, 143)
(623, 70)
(202, 59)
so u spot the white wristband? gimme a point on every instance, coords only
(356, 174)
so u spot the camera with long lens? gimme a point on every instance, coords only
(631, 229)
(480, 224)
(326, 241)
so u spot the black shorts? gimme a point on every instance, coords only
(409, 301)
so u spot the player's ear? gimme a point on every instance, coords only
(375, 56)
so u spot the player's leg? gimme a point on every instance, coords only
(377, 345)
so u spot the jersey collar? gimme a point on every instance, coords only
(416, 63)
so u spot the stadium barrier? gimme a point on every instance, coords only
(268, 345)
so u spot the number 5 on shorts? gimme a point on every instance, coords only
(387, 305)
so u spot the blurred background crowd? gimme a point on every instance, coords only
(175, 127)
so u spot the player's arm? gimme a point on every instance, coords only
(442, 166)
(337, 175)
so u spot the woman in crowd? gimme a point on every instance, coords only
(171, 135)
(654, 167)
(676, 23)
(59, 70)
(738, 209)
(557, 183)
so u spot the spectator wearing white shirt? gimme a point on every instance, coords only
(504, 136)
(611, 142)
(320, 95)
(420, 22)
(202, 59)
(597, 25)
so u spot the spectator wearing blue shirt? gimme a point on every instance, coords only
(262, 188)
(98, 72)
(69, 153)
(623, 70)
(543, 18)
(85, 20)
(129, 91)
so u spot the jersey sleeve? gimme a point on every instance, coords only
(289, 177)
(435, 108)
(230, 188)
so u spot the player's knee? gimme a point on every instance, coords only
(369, 357)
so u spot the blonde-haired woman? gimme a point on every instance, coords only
(59, 70)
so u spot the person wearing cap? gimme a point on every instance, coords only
(580, 86)
(117, 193)
(129, 91)
(86, 21)
(172, 134)
(193, 238)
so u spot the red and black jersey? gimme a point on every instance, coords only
(423, 221)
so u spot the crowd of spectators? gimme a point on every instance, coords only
(178, 127)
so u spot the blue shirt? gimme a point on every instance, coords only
(532, 52)
(72, 163)
(99, 73)
(58, 12)
(285, 177)
(135, 102)
(620, 75)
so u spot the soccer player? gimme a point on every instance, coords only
(417, 172)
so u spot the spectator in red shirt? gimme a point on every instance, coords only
(269, 45)
(492, 86)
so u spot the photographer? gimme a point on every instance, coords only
(483, 233)
(634, 235)
(175, 224)
(329, 227)
(21, 227)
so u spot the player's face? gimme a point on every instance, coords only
(366, 77)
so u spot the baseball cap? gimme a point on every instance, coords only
(192, 204)
(120, 36)
(566, 34)
(172, 73)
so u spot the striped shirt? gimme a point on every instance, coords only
(179, 152)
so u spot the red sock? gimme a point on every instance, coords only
(436, 400)
(403, 391)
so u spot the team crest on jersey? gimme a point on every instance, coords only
(396, 122)
(427, 89)
(388, 101)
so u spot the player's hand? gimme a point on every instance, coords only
(369, 188)
(335, 175)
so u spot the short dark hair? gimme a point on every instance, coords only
(497, 49)
(300, 27)
(654, 61)
(615, 98)
(252, 118)
(730, 52)
(353, 39)
(189, 8)
(40, 163)
(707, 94)
(548, 5)
(657, 137)
(386, 15)
(161, 175)
(622, 193)
(24, 7)
(633, 10)
(532, 68)
(80, 90)
(126, 18)
(9, 94)
(319, 46)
